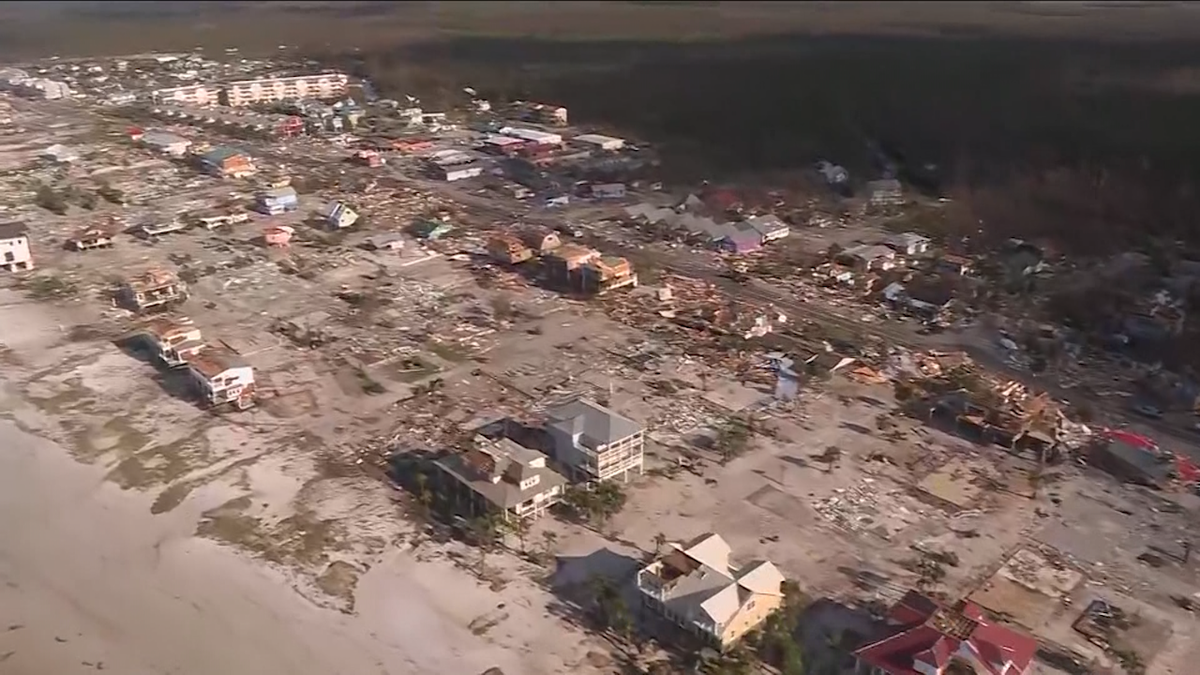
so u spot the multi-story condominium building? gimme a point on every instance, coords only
(268, 89)
(191, 94)
(595, 443)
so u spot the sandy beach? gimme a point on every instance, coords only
(97, 574)
(91, 581)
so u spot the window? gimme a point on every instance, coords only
(9, 257)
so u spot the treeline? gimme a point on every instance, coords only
(1041, 138)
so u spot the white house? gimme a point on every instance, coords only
(14, 247)
(453, 173)
(533, 135)
(222, 377)
(174, 340)
(908, 243)
(769, 227)
(600, 142)
(338, 216)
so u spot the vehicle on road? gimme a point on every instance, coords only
(1147, 410)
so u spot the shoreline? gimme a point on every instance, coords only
(89, 580)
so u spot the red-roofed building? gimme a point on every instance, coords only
(929, 639)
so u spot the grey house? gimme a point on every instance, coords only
(595, 443)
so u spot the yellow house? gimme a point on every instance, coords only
(697, 586)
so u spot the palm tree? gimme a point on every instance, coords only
(424, 496)
(660, 540)
(549, 542)
(520, 528)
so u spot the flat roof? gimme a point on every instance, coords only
(598, 139)
(501, 140)
(218, 155)
(12, 230)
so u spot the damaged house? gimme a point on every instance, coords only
(924, 637)
(174, 340)
(502, 477)
(606, 273)
(697, 586)
(90, 238)
(908, 243)
(508, 249)
(151, 289)
(539, 240)
(222, 377)
(885, 192)
(868, 258)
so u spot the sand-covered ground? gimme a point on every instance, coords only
(104, 567)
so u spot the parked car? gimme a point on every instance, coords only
(1147, 410)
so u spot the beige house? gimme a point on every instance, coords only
(503, 477)
(696, 586)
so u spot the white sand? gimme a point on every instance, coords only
(88, 576)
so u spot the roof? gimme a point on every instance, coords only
(92, 233)
(162, 138)
(165, 328)
(869, 252)
(461, 168)
(221, 155)
(212, 362)
(536, 236)
(60, 152)
(598, 139)
(493, 139)
(573, 252)
(280, 193)
(508, 241)
(152, 278)
(1135, 459)
(884, 185)
(930, 633)
(906, 239)
(495, 470)
(743, 238)
(595, 424)
(531, 134)
(766, 224)
(13, 230)
(698, 581)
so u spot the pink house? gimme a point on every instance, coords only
(277, 235)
